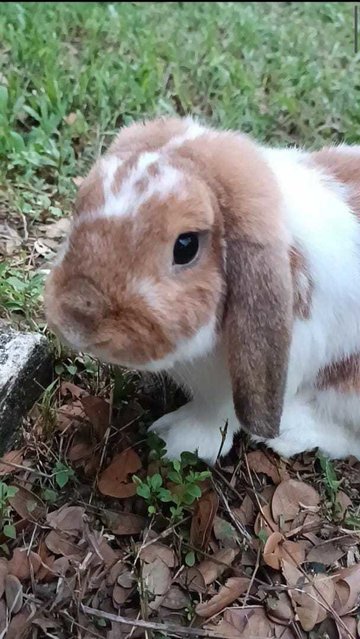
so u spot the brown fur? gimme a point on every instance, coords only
(343, 376)
(90, 196)
(344, 166)
(302, 284)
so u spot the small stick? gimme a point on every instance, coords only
(151, 625)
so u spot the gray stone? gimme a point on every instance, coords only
(25, 370)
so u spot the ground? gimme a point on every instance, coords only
(94, 522)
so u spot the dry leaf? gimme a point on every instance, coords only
(113, 482)
(80, 451)
(265, 522)
(68, 519)
(191, 579)
(347, 588)
(156, 576)
(14, 457)
(350, 625)
(75, 391)
(60, 544)
(3, 618)
(13, 594)
(246, 513)
(202, 519)
(27, 504)
(69, 415)
(154, 551)
(17, 626)
(309, 598)
(324, 591)
(226, 533)
(61, 566)
(126, 579)
(98, 412)
(291, 497)
(343, 502)
(119, 595)
(245, 623)
(123, 523)
(228, 593)
(211, 569)
(109, 556)
(279, 608)
(326, 553)
(175, 599)
(114, 573)
(3, 572)
(23, 565)
(278, 548)
(259, 462)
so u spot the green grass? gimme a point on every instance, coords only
(285, 72)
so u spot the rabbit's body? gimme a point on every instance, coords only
(268, 337)
(322, 400)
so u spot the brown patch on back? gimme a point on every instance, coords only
(343, 375)
(302, 284)
(343, 165)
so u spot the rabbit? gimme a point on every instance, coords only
(232, 267)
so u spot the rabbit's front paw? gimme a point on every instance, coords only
(185, 431)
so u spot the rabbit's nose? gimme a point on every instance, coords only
(74, 310)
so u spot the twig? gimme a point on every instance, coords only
(238, 525)
(167, 629)
(28, 469)
(253, 577)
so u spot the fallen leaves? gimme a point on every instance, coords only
(13, 594)
(68, 519)
(212, 569)
(123, 523)
(114, 481)
(245, 623)
(290, 498)
(203, 519)
(259, 462)
(98, 412)
(157, 560)
(278, 548)
(9, 459)
(27, 504)
(233, 588)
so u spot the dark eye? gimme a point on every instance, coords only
(186, 248)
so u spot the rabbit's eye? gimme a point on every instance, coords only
(186, 248)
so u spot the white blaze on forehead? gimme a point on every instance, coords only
(127, 200)
(193, 131)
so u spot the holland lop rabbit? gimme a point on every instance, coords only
(233, 267)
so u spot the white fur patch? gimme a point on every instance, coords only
(148, 289)
(129, 198)
(109, 166)
(193, 131)
(188, 349)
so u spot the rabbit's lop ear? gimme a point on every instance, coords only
(258, 319)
